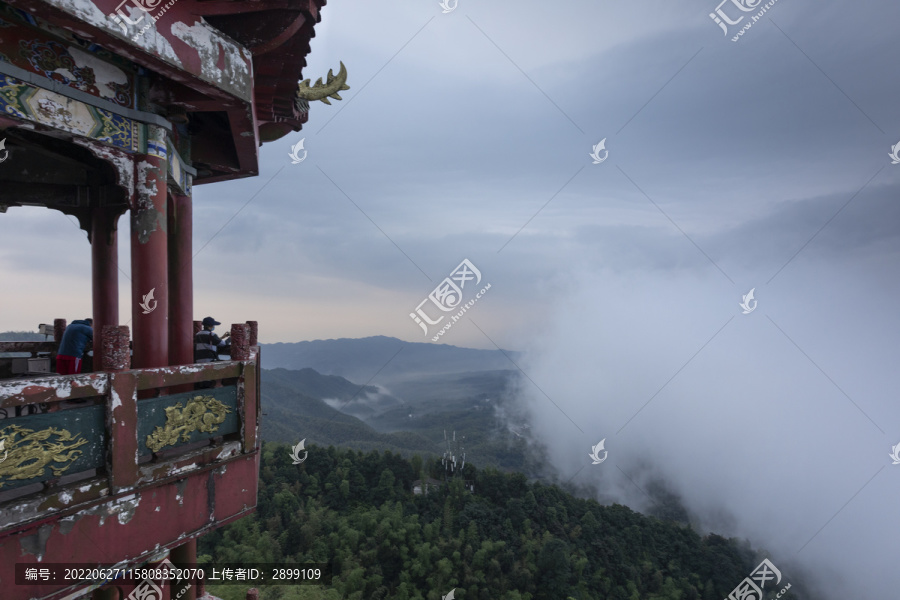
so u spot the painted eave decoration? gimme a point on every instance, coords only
(240, 59)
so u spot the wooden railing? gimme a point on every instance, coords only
(32, 348)
(117, 430)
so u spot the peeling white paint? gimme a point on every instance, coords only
(64, 389)
(61, 385)
(116, 401)
(236, 77)
(86, 11)
(106, 76)
(146, 185)
(120, 160)
(151, 39)
(211, 45)
(227, 452)
(66, 73)
(180, 470)
(123, 508)
(65, 497)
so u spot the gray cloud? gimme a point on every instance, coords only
(447, 150)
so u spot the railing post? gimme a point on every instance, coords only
(254, 332)
(115, 354)
(59, 328)
(240, 341)
(121, 409)
(253, 594)
(246, 384)
(198, 327)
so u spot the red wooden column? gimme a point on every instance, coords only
(181, 326)
(104, 272)
(181, 281)
(149, 255)
(121, 408)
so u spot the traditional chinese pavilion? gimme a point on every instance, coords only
(107, 108)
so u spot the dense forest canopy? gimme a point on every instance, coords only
(509, 540)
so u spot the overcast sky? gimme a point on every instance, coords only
(758, 164)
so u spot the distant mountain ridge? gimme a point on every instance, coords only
(290, 415)
(310, 382)
(328, 409)
(360, 359)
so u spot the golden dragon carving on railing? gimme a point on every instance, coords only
(26, 452)
(202, 413)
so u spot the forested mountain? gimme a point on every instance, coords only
(290, 416)
(391, 359)
(22, 336)
(509, 540)
(363, 401)
(312, 383)
(417, 425)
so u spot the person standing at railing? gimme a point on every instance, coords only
(206, 347)
(71, 347)
(207, 343)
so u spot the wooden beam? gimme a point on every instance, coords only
(19, 392)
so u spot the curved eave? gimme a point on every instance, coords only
(233, 55)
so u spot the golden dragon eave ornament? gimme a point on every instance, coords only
(202, 413)
(30, 452)
(322, 91)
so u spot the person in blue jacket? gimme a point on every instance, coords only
(71, 348)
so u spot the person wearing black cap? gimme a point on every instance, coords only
(207, 343)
